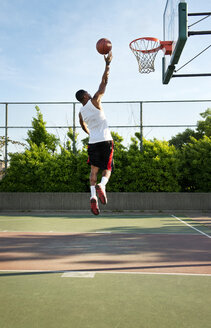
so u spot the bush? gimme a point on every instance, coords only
(159, 167)
(154, 169)
(39, 171)
(195, 165)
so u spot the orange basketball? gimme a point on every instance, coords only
(103, 46)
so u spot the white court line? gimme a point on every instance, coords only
(187, 224)
(78, 274)
(97, 232)
(106, 272)
(160, 273)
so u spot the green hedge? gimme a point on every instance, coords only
(182, 164)
(37, 170)
(154, 169)
(159, 168)
(195, 165)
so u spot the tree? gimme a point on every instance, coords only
(203, 129)
(117, 141)
(195, 165)
(154, 169)
(13, 142)
(71, 143)
(183, 138)
(39, 134)
(159, 167)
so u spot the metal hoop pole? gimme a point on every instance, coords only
(6, 136)
(191, 33)
(141, 127)
(74, 128)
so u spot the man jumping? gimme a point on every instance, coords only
(100, 148)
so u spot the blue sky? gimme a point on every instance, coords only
(47, 51)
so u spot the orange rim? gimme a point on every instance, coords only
(148, 39)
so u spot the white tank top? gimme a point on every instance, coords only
(96, 122)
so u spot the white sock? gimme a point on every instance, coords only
(93, 191)
(104, 181)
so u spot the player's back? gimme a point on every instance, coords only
(96, 121)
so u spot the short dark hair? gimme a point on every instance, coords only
(80, 94)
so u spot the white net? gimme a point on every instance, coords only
(145, 51)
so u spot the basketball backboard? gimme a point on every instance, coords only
(174, 29)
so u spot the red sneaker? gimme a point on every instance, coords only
(101, 194)
(94, 206)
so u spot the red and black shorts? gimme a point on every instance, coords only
(101, 155)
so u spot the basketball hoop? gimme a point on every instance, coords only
(145, 51)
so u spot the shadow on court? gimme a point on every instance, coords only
(105, 252)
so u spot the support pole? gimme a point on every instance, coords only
(141, 127)
(6, 136)
(200, 14)
(74, 128)
(192, 75)
(191, 33)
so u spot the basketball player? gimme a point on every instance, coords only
(100, 147)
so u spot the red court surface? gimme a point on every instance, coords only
(110, 252)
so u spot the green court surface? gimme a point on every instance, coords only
(105, 301)
(34, 299)
(161, 224)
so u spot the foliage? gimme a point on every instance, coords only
(159, 167)
(71, 143)
(39, 134)
(37, 170)
(203, 129)
(2, 143)
(154, 169)
(183, 138)
(195, 165)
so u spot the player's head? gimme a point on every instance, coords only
(82, 95)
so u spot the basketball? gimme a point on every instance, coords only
(103, 46)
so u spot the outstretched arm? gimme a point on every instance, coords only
(102, 87)
(83, 124)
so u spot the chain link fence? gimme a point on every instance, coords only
(161, 119)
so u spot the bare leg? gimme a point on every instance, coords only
(93, 180)
(106, 173)
(93, 175)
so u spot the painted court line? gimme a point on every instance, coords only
(98, 232)
(88, 274)
(78, 274)
(160, 273)
(187, 224)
